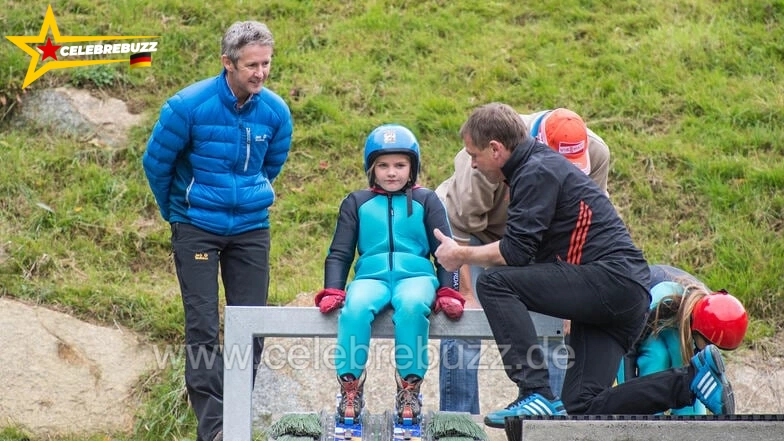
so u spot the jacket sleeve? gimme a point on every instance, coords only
(280, 144)
(653, 356)
(436, 217)
(468, 197)
(170, 136)
(599, 154)
(341, 251)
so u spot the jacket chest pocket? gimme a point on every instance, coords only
(255, 144)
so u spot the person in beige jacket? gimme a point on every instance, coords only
(477, 210)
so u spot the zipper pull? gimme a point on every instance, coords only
(391, 209)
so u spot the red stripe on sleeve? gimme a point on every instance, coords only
(579, 234)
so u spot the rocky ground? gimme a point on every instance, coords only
(60, 375)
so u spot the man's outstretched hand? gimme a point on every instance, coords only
(448, 253)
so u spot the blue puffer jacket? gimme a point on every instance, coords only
(211, 165)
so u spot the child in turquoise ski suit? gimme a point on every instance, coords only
(389, 227)
(685, 317)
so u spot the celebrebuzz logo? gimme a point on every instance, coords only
(137, 54)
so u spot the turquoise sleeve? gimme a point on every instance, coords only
(673, 344)
(672, 341)
(653, 356)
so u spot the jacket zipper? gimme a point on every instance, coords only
(188, 192)
(247, 148)
(391, 235)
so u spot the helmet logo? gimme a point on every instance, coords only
(389, 137)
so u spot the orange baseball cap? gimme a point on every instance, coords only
(565, 132)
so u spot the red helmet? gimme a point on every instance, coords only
(721, 319)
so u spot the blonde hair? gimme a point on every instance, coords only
(692, 295)
(674, 311)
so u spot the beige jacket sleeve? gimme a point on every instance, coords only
(599, 155)
(475, 206)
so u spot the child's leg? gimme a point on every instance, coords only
(411, 300)
(364, 299)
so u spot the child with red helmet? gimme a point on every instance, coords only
(686, 317)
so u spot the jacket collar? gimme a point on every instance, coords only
(408, 191)
(227, 95)
(379, 190)
(519, 155)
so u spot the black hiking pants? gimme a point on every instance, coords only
(607, 312)
(243, 263)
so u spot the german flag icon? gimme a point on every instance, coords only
(141, 59)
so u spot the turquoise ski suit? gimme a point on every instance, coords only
(656, 353)
(392, 235)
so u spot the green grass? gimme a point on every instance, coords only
(689, 95)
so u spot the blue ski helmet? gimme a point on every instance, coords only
(392, 138)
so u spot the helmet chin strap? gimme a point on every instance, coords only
(408, 190)
(410, 200)
(699, 338)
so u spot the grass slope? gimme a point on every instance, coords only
(689, 95)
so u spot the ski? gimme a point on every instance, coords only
(405, 429)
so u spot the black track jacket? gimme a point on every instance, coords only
(556, 212)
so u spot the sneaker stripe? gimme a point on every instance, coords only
(531, 409)
(704, 380)
(537, 408)
(544, 408)
(709, 387)
(706, 384)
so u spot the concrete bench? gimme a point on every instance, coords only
(768, 427)
(243, 323)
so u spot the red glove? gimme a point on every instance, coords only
(449, 301)
(330, 299)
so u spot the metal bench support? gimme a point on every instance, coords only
(243, 323)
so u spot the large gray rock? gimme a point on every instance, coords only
(77, 113)
(61, 375)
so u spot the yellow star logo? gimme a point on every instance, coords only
(23, 42)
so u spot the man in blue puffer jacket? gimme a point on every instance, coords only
(210, 162)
